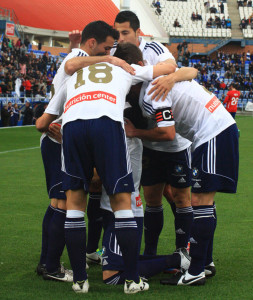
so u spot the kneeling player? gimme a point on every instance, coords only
(199, 117)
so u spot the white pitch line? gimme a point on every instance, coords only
(16, 150)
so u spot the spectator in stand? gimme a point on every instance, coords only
(5, 116)
(39, 45)
(179, 49)
(209, 23)
(27, 42)
(213, 10)
(243, 23)
(228, 23)
(199, 17)
(221, 6)
(157, 4)
(15, 115)
(223, 22)
(28, 114)
(248, 55)
(240, 3)
(49, 82)
(184, 46)
(213, 77)
(27, 87)
(223, 85)
(231, 100)
(217, 22)
(18, 43)
(193, 17)
(176, 23)
(249, 4)
(207, 6)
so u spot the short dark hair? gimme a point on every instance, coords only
(128, 16)
(99, 30)
(129, 52)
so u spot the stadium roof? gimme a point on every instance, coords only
(64, 15)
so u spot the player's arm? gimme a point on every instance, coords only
(226, 99)
(163, 85)
(157, 134)
(170, 61)
(74, 39)
(52, 111)
(76, 63)
(44, 121)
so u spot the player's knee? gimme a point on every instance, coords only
(198, 199)
(181, 197)
(167, 193)
(152, 197)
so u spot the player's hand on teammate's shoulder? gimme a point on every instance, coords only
(129, 128)
(122, 63)
(54, 131)
(162, 87)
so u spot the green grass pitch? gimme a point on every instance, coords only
(23, 201)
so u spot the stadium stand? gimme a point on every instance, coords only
(203, 44)
(183, 10)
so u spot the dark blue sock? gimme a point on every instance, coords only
(153, 225)
(127, 237)
(45, 225)
(183, 224)
(201, 234)
(152, 266)
(75, 236)
(56, 240)
(94, 222)
(209, 256)
(148, 266)
(173, 208)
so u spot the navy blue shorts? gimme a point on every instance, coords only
(97, 143)
(51, 156)
(112, 256)
(167, 167)
(215, 163)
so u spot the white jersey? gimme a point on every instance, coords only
(198, 114)
(96, 91)
(59, 82)
(153, 52)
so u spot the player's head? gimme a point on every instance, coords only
(98, 38)
(231, 86)
(128, 26)
(130, 53)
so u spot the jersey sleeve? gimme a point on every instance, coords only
(163, 113)
(55, 106)
(142, 74)
(156, 52)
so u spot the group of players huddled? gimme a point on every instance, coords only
(110, 128)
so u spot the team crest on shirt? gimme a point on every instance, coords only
(178, 169)
(195, 172)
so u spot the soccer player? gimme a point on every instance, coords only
(93, 136)
(197, 115)
(53, 239)
(176, 169)
(231, 100)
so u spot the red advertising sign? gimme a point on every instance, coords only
(10, 29)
